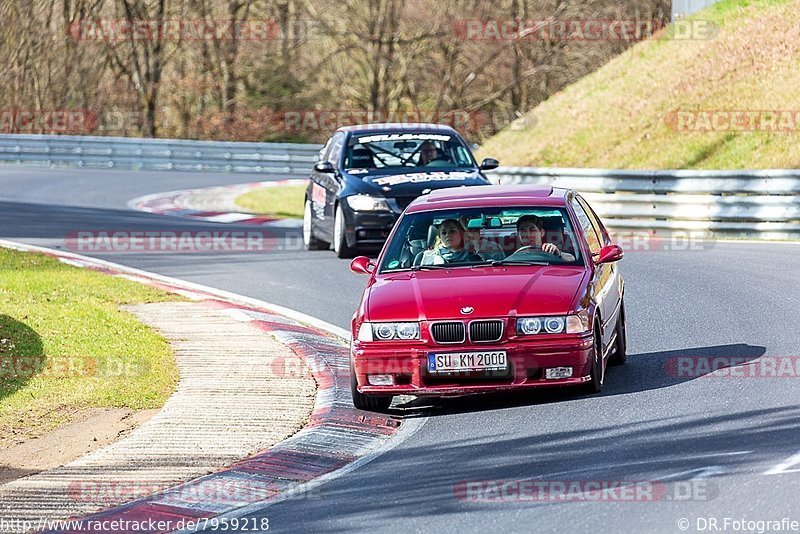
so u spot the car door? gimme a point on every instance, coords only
(614, 297)
(325, 187)
(603, 276)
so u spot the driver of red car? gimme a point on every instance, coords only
(530, 232)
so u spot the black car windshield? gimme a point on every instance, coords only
(516, 236)
(404, 150)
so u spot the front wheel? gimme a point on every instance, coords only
(597, 375)
(309, 241)
(369, 403)
(620, 354)
(340, 246)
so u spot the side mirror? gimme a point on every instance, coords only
(324, 167)
(489, 164)
(362, 265)
(610, 254)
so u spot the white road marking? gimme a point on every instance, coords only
(230, 217)
(786, 466)
(702, 473)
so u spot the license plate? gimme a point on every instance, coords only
(445, 362)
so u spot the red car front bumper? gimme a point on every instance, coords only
(527, 361)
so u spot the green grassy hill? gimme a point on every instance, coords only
(626, 114)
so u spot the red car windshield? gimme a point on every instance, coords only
(469, 237)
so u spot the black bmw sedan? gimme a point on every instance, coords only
(367, 175)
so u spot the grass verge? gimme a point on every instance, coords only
(65, 345)
(277, 201)
(623, 114)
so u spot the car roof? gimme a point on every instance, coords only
(490, 196)
(397, 127)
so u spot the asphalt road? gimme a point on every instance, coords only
(726, 442)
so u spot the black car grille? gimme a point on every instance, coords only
(448, 332)
(485, 331)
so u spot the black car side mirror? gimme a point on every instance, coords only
(489, 164)
(324, 167)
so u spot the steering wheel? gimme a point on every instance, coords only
(526, 252)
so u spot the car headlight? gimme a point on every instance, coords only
(554, 325)
(529, 325)
(570, 324)
(388, 331)
(367, 203)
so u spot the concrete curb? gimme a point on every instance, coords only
(213, 204)
(337, 439)
(233, 398)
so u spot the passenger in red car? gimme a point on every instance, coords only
(450, 246)
(530, 232)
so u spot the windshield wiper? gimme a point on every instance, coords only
(498, 263)
(421, 267)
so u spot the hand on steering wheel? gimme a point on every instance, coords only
(551, 249)
(548, 248)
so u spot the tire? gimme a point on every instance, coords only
(368, 403)
(311, 242)
(340, 246)
(620, 354)
(595, 385)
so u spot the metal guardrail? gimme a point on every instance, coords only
(682, 8)
(760, 204)
(286, 159)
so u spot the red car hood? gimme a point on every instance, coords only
(492, 292)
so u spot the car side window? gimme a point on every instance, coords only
(335, 149)
(595, 220)
(324, 150)
(592, 238)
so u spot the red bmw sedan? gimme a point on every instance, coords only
(481, 289)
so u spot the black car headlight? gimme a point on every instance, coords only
(367, 203)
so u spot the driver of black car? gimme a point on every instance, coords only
(428, 152)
